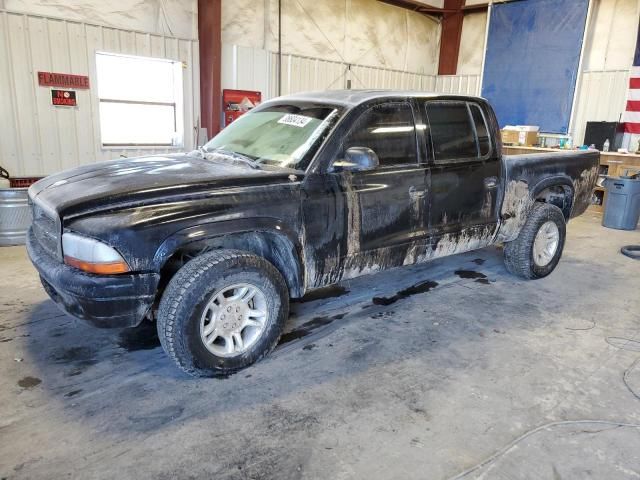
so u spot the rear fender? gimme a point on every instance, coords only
(520, 196)
(557, 181)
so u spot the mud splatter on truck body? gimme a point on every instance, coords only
(317, 225)
(530, 176)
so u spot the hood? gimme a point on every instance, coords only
(141, 180)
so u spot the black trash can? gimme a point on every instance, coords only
(622, 209)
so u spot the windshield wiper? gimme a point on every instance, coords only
(201, 151)
(236, 156)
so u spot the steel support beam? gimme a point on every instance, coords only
(210, 40)
(450, 37)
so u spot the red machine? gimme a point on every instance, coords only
(238, 102)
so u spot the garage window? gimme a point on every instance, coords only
(140, 101)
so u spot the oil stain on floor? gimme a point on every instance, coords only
(471, 274)
(422, 287)
(29, 382)
(309, 327)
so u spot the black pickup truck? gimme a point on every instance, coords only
(300, 193)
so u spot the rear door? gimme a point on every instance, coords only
(466, 168)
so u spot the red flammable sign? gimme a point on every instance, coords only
(64, 80)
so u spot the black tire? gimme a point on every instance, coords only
(188, 294)
(518, 254)
(631, 251)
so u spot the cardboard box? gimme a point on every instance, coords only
(510, 137)
(525, 135)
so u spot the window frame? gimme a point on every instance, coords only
(468, 104)
(177, 103)
(489, 153)
(386, 102)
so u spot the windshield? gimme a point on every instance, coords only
(281, 135)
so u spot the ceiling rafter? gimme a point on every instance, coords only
(420, 7)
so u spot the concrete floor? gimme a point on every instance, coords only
(483, 373)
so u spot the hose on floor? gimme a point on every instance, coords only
(631, 251)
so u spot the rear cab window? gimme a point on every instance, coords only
(459, 131)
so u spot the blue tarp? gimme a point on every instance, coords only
(531, 65)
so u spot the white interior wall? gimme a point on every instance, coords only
(602, 97)
(472, 45)
(611, 38)
(249, 68)
(38, 138)
(363, 32)
(174, 18)
(608, 56)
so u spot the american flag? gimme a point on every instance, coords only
(631, 117)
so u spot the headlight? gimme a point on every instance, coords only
(91, 255)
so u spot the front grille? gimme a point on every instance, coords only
(45, 230)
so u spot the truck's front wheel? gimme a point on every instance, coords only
(221, 312)
(538, 248)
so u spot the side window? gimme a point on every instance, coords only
(484, 142)
(388, 130)
(452, 131)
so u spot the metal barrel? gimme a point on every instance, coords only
(15, 216)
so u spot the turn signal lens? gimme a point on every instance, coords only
(91, 255)
(99, 268)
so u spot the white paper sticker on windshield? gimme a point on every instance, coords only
(299, 121)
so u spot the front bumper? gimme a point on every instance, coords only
(103, 300)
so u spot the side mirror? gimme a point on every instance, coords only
(357, 159)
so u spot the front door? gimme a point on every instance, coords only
(373, 216)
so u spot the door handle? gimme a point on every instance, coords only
(416, 193)
(491, 182)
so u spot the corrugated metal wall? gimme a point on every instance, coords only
(372, 77)
(37, 138)
(601, 97)
(463, 84)
(255, 69)
(301, 74)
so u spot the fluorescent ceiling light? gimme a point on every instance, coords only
(406, 128)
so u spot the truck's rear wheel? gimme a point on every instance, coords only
(221, 312)
(537, 250)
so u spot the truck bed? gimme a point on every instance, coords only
(528, 176)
